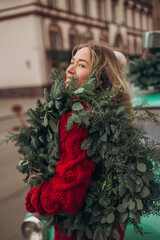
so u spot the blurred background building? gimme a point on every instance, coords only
(37, 35)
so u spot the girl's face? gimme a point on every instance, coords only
(80, 66)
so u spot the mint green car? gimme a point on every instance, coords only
(150, 224)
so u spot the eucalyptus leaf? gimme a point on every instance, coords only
(79, 90)
(138, 188)
(104, 137)
(146, 181)
(75, 118)
(111, 218)
(86, 144)
(139, 204)
(80, 235)
(70, 232)
(113, 128)
(144, 192)
(90, 80)
(88, 232)
(122, 207)
(89, 86)
(89, 92)
(124, 216)
(104, 219)
(51, 169)
(109, 230)
(77, 106)
(149, 175)
(115, 234)
(131, 205)
(141, 167)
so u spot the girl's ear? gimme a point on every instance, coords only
(121, 59)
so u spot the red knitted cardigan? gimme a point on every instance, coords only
(67, 189)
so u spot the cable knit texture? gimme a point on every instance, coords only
(67, 190)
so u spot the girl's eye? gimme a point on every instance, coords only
(71, 63)
(81, 65)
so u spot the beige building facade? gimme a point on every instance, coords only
(36, 35)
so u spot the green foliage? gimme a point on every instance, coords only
(123, 186)
(145, 72)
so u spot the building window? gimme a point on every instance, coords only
(103, 36)
(72, 40)
(86, 37)
(86, 7)
(125, 15)
(141, 19)
(52, 3)
(89, 36)
(70, 5)
(149, 16)
(133, 16)
(135, 47)
(55, 40)
(113, 12)
(118, 42)
(100, 9)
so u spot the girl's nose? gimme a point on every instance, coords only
(71, 69)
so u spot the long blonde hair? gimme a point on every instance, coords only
(108, 69)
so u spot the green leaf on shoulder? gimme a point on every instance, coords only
(79, 91)
(89, 86)
(77, 106)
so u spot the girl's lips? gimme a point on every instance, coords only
(67, 81)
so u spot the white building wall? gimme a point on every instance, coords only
(137, 20)
(13, 3)
(131, 45)
(82, 29)
(61, 4)
(143, 21)
(123, 32)
(120, 12)
(22, 59)
(129, 17)
(78, 6)
(93, 8)
(112, 34)
(65, 26)
(108, 10)
(139, 41)
(96, 34)
(150, 20)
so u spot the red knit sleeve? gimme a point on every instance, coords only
(67, 190)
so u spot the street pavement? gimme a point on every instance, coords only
(12, 188)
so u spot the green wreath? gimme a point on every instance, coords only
(126, 159)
